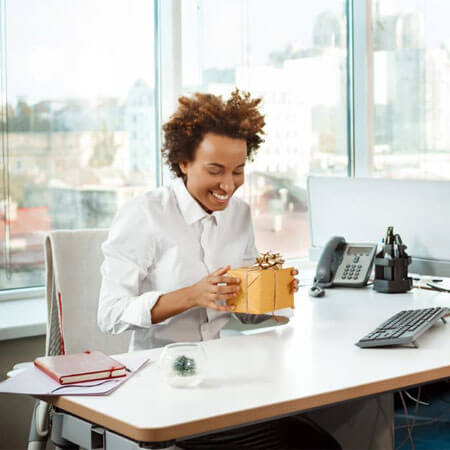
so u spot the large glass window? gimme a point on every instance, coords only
(78, 109)
(294, 55)
(77, 121)
(411, 64)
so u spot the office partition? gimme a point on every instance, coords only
(360, 209)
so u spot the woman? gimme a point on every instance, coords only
(168, 250)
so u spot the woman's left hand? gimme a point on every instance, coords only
(294, 282)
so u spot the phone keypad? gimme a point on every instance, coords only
(351, 271)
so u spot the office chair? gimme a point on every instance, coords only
(73, 259)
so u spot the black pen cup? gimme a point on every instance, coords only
(391, 274)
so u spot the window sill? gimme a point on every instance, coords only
(22, 318)
(22, 294)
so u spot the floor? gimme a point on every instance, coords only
(431, 422)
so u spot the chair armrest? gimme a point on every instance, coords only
(19, 367)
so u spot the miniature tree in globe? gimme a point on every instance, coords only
(184, 366)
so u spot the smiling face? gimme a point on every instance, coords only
(216, 171)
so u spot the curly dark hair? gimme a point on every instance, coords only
(238, 117)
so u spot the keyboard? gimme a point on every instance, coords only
(404, 327)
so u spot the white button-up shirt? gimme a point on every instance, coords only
(162, 241)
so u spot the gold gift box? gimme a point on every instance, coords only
(262, 290)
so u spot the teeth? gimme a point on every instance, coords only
(220, 197)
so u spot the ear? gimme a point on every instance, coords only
(183, 165)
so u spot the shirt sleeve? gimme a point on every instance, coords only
(128, 254)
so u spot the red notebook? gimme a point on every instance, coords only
(79, 367)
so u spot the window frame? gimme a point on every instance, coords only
(22, 293)
(361, 108)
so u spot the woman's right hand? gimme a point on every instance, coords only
(210, 289)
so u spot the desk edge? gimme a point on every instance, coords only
(261, 413)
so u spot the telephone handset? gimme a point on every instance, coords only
(343, 264)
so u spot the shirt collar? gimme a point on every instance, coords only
(189, 207)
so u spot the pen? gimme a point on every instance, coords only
(389, 243)
(437, 288)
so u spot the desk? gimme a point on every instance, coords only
(310, 363)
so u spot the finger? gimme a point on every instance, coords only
(225, 280)
(221, 271)
(214, 297)
(217, 307)
(227, 290)
(294, 286)
(294, 272)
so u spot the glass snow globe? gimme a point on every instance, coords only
(183, 364)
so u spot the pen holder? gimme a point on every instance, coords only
(391, 275)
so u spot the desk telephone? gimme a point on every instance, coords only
(343, 264)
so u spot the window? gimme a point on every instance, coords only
(294, 55)
(80, 85)
(411, 67)
(81, 109)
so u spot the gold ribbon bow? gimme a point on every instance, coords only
(269, 260)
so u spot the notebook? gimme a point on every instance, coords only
(79, 367)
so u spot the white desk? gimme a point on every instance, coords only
(307, 364)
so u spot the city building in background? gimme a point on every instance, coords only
(411, 94)
(303, 86)
(140, 126)
(79, 121)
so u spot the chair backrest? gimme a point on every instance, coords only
(73, 260)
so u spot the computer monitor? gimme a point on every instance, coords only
(360, 210)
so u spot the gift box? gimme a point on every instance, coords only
(265, 286)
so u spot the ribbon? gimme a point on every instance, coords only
(269, 260)
(266, 261)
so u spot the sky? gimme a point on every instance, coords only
(82, 48)
(95, 48)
